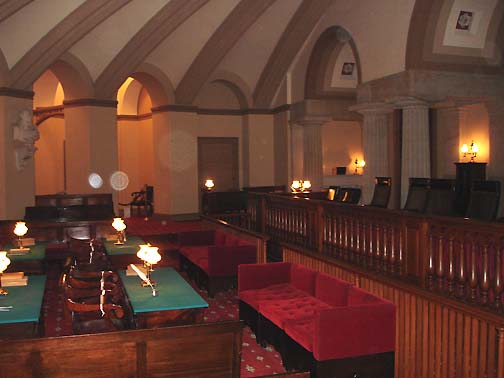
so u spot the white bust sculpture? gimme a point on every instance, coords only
(24, 136)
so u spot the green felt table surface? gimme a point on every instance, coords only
(130, 247)
(37, 252)
(26, 301)
(174, 293)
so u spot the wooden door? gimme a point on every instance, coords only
(218, 160)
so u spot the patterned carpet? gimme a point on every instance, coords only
(256, 361)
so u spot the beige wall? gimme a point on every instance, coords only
(135, 155)
(474, 127)
(341, 145)
(261, 144)
(49, 158)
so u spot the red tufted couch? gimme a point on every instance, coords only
(211, 257)
(318, 322)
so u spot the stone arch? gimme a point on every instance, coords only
(237, 85)
(426, 48)
(322, 59)
(158, 85)
(74, 77)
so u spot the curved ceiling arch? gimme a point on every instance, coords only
(73, 76)
(301, 24)
(322, 60)
(221, 41)
(4, 70)
(9, 7)
(168, 19)
(238, 84)
(51, 46)
(432, 45)
(157, 84)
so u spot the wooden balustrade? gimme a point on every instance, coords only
(457, 257)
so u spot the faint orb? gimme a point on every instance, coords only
(95, 180)
(119, 181)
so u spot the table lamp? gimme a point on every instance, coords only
(151, 257)
(209, 184)
(4, 263)
(20, 230)
(119, 226)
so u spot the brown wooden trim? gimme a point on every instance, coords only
(18, 93)
(90, 102)
(9, 7)
(43, 113)
(220, 43)
(156, 30)
(133, 117)
(63, 36)
(207, 111)
(299, 28)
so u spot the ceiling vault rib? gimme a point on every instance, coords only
(9, 7)
(241, 18)
(157, 29)
(60, 39)
(301, 24)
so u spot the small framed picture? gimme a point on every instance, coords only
(347, 69)
(464, 20)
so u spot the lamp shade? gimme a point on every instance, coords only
(306, 185)
(152, 255)
(209, 184)
(464, 149)
(119, 224)
(4, 261)
(142, 252)
(20, 229)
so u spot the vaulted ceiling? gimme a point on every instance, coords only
(257, 45)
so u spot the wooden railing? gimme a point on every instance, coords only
(460, 258)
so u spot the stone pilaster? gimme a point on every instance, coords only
(312, 153)
(495, 108)
(296, 151)
(446, 150)
(416, 159)
(375, 144)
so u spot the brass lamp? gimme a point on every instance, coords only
(209, 184)
(20, 230)
(119, 226)
(472, 150)
(150, 256)
(359, 164)
(4, 263)
(301, 186)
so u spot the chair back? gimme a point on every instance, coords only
(381, 194)
(349, 195)
(149, 193)
(484, 200)
(417, 194)
(441, 197)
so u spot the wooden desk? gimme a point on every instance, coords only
(23, 321)
(120, 256)
(31, 262)
(176, 303)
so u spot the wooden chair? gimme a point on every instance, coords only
(417, 194)
(381, 194)
(349, 195)
(88, 318)
(143, 199)
(484, 200)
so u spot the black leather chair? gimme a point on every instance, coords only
(381, 194)
(349, 195)
(484, 200)
(143, 199)
(417, 194)
(441, 197)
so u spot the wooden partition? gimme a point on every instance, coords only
(435, 336)
(205, 350)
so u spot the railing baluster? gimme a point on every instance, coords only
(461, 271)
(440, 263)
(451, 266)
(485, 281)
(473, 273)
(430, 273)
(498, 286)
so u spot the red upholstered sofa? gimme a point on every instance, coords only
(317, 321)
(211, 257)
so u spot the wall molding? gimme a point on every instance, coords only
(232, 112)
(134, 117)
(90, 102)
(18, 93)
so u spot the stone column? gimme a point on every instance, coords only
(375, 145)
(447, 140)
(296, 151)
(312, 153)
(17, 175)
(495, 108)
(90, 144)
(416, 159)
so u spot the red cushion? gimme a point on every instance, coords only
(203, 264)
(194, 253)
(301, 331)
(358, 296)
(258, 276)
(331, 290)
(232, 241)
(303, 278)
(257, 298)
(282, 311)
(220, 238)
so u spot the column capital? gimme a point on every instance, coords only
(377, 108)
(408, 102)
(311, 121)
